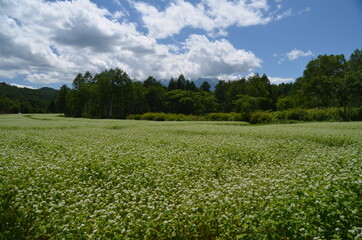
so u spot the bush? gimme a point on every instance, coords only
(297, 114)
(280, 116)
(165, 117)
(134, 117)
(327, 114)
(287, 116)
(224, 116)
(261, 117)
(355, 114)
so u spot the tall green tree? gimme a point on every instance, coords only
(172, 85)
(61, 100)
(205, 86)
(319, 86)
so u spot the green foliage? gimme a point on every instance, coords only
(14, 99)
(298, 115)
(261, 117)
(64, 178)
(248, 104)
(190, 102)
(232, 116)
(205, 86)
(285, 103)
(355, 114)
(165, 117)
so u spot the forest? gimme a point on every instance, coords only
(330, 89)
(328, 82)
(14, 99)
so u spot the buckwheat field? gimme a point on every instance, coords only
(63, 178)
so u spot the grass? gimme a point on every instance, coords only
(64, 178)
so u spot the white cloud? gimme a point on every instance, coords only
(169, 22)
(218, 58)
(300, 12)
(279, 80)
(284, 14)
(50, 42)
(209, 15)
(295, 54)
(21, 86)
(240, 13)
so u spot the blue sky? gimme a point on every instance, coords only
(46, 43)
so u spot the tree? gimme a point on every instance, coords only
(247, 104)
(190, 85)
(172, 85)
(284, 103)
(139, 102)
(149, 82)
(5, 105)
(77, 82)
(205, 86)
(61, 100)
(122, 94)
(15, 108)
(181, 82)
(326, 65)
(155, 98)
(355, 61)
(350, 90)
(51, 108)
(25, 107)
(321, 82)
(220, 94)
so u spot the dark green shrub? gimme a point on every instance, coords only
(134, 117)
(355, 114)
(326, 114)
(232, 116)
(261, 117)
(296, 114)
(279, 116)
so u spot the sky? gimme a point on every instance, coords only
(47, 43)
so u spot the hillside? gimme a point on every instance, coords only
(15, 99)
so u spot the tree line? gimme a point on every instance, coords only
(328, 81)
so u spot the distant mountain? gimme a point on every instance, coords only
(211, 81)
(26, 100)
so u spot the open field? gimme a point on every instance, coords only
(63, 178)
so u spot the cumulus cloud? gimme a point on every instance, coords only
(217, 58)
(292, 55)
(50, 42)
(209, 15)
(295, 54)
(161, 24)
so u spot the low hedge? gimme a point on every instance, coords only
(287, 116)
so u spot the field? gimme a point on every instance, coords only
(63, 178)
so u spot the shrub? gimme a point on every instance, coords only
(296, 114)
(355, 114)
(225, 116)
(134, 117)
(327, 114)
(261, 117)
(165, 117)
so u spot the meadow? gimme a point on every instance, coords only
(65, 178)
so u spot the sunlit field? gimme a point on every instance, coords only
(65, 178)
